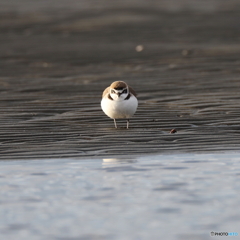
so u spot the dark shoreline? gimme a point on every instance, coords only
(54, 69)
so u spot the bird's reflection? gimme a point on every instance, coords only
(110, 162)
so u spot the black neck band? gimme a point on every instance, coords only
(109, 97)
(128, 96)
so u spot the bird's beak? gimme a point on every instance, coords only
(118, 94)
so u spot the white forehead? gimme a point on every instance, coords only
(118, 90)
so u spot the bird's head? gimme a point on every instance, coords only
(119, 90)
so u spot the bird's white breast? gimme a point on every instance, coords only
(119, 109)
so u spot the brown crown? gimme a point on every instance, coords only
(118, 84)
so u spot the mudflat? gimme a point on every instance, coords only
(184, 65)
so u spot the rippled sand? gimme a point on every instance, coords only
(54, 68)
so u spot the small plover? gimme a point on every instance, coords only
(119, 101)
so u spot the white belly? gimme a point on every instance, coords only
(119, 109)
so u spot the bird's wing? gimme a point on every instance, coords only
(132, 91)
(105, 92)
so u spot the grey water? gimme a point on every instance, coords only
(168, 196)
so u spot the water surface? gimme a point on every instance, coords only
(178, 196)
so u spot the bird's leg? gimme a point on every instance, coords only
(115, 123)
(127, 123)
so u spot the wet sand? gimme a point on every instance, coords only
(55, 65)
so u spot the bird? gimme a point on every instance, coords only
(119, 101)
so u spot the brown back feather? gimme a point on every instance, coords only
(132, 91)
(105, 91)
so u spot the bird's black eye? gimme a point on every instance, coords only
(124, 91)
(112, 91)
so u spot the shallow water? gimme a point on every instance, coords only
(178, 196)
